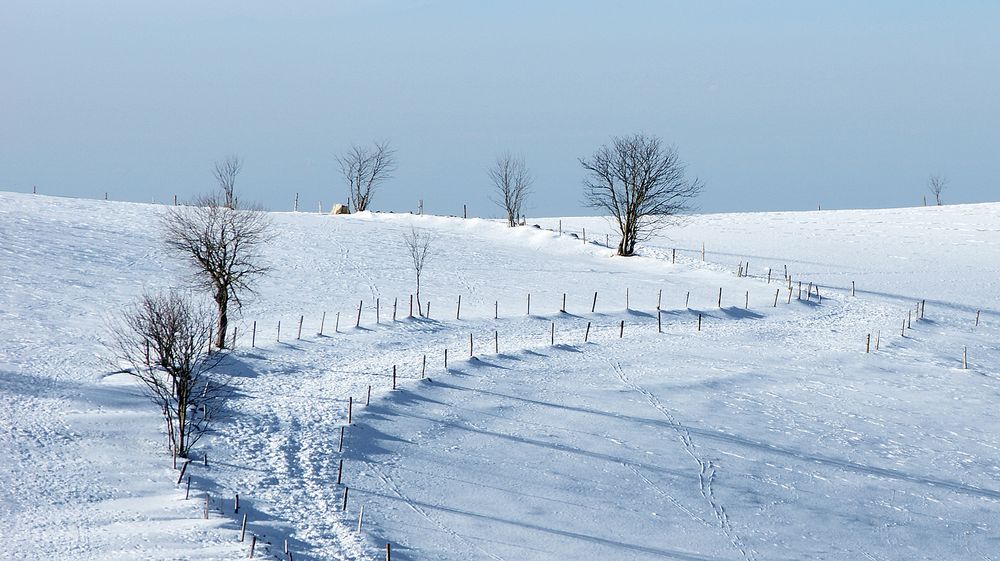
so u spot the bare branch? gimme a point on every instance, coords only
(223, 244)
(165, 341)
(512, 181)
(936, 185)
(418, 243)
(365, 169)
(640, 184)
(225, 173)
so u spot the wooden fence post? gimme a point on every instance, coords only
(594, 305)
(687, 299)
(699, 322)
(553, 342)
(395, 301)
(350, 409)
(253, 544)
(279, 331)
(720, 297)
(586, 335)
(659, 299)
(322, 324)
(340, 447)
(458, 310)
(360, 304)
(340, 470)
(776, 292)
(496, 342)
(768, 275)
(378, 311)
(563, 309)
(747, 304)
(977, 317)
(411, 305)
(529, 303)
(393, 376)
(868, 342)
(659, 321)
(621, 330)
(965, 357)
(243, 528)
(336, 327)
(301, 319)
(496, 309)
(368, 399)
(423, 367)
(446, 359)
(470, 345)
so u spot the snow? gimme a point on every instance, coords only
(769, 434)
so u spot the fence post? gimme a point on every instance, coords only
(253, 336)
(322, 323)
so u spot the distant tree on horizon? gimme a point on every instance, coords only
(936, 184)
(364, 168)
(512, 182)
(640, 183)
(225, 173)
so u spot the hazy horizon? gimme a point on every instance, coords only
(775, 106)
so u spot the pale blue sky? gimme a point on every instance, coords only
(774, 105)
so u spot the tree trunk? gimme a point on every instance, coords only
(222, 301)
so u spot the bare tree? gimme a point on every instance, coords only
(418, 243)
(364, 169)
(640, 183)
(164, 341)
(936, 184)
(225, 173)
(224, 245)
(513, 182)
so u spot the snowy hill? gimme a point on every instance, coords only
(768, 434)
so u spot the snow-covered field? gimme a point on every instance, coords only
(769, 434)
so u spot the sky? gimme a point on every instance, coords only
(773, 105)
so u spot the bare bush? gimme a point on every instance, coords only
(513, 183)
(223, 244)
(164, 340)
(936, 185)
(364, 169)
(225, 173)
(418, 244)
(640, 183)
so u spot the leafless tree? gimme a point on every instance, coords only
(225, 173)
(418, 243)
(640, 183)
(365, 168)
(513, 183)
(164, 342)
(224, 246)
(936, 184)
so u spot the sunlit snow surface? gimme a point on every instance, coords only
(769, 434)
